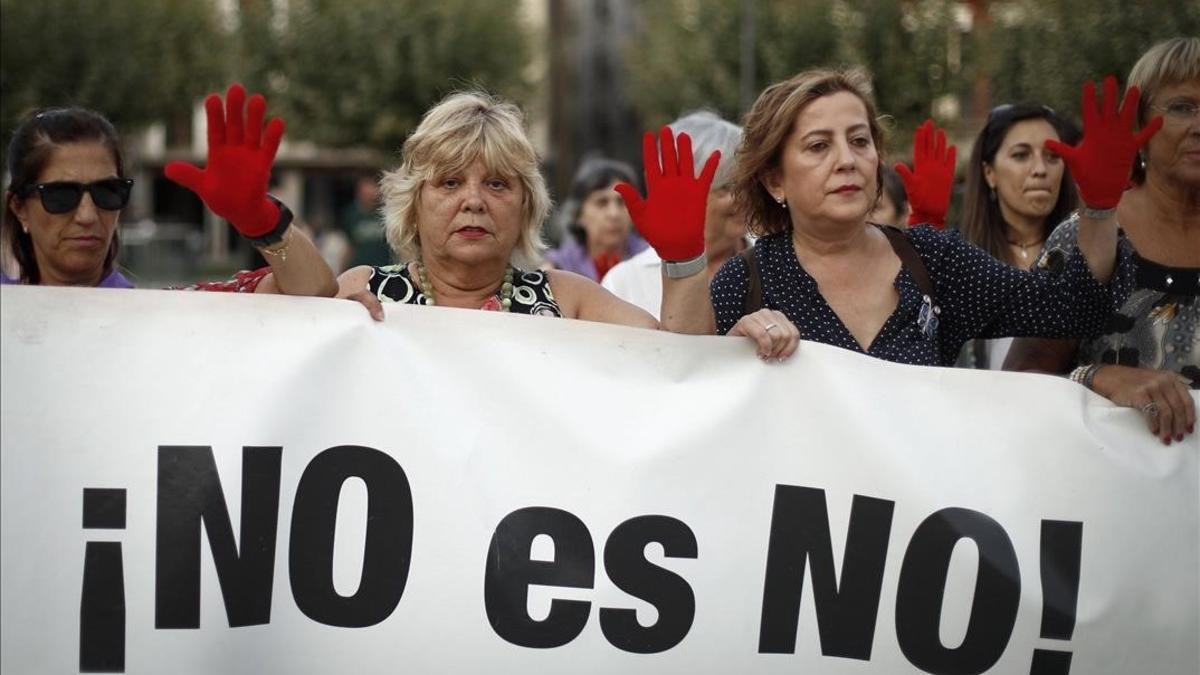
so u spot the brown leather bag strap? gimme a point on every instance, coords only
(754, 300)
(909, 258)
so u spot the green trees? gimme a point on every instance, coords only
(1043, 50)
(361, 72)
(688, 52)
(343, 72)
(940, 58)
(138, 61)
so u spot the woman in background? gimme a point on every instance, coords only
(600, 233)
(1017, 192)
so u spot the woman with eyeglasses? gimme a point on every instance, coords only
(1148, 355)
(68, 186)
(1017, 191)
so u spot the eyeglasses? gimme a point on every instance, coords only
(1178, 110)
(110, 194)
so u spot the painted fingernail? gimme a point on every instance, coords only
(1178, 437)
(1191, 429)
(1166, 440)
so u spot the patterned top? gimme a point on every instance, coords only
(976, 296)
(1158, 325)
(245, 281)
(531, 290)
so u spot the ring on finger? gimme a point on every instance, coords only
(1150, 409)
(770, 326)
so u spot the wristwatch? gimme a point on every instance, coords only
(1098, 214)
(276, 235)
(687, 268)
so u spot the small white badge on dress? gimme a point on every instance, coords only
(927, 317)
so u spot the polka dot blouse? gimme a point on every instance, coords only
(977, 297)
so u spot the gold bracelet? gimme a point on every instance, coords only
(281, 249)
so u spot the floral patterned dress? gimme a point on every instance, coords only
(1158, 325)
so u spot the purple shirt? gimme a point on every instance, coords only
(573, 257)
(113, 280)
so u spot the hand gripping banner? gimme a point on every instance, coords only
(198, 483)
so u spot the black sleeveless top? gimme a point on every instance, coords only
(531, 290)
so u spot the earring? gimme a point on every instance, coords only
(781, 201)
(992, 193)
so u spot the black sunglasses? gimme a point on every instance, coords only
(110, 194)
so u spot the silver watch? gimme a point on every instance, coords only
(687, 268)
(1098, 214)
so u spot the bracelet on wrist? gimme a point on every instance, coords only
(280, 248)
(686, 268)
(275, 235)
(1085, 374)
(1099, 214)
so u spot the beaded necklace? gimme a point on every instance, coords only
(499, 302)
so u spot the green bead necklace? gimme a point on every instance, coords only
(501, 302)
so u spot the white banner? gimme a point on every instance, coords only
(198, 483)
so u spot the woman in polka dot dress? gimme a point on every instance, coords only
(808, 175)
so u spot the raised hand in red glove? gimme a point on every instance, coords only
(671, 217)
(1103, 159)
(929, 182)
(240, 153)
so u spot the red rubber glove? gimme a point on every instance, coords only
(671, 218)
(234, 182)
(929, 182)
(1103, 159)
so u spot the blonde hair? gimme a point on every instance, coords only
(1166, 63)
(452, 134)
(768, 126)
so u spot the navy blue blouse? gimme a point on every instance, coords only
(978, 297)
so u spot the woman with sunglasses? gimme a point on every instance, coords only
(1148, 355)
(68, 187)
(1017, 191)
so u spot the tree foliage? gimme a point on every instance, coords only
(362, 72)
(687, 53)
(137, 61)
(1041, 50)
(919, 52)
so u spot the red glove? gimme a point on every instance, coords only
(1103, 159)
(929, 183)
(671, 217)
(234, 182)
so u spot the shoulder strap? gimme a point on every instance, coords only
(754, 300)
(909, 258)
